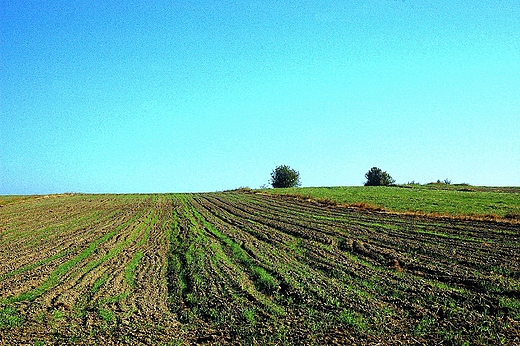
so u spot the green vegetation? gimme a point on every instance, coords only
(253, 268)
(285, 176)
(377, 177)
(10, 318)
(132, 266)
(106, 315)
(54, 277)
(453, 200)
(34, 265)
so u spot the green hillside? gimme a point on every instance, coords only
(459, 200)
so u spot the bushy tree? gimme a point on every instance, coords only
(285, 176)
(376, 177)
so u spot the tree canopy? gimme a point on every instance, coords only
(377, 177)
(285, 176)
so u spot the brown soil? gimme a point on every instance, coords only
(243, 268)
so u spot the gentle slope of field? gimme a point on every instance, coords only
(250, 268)
(440, 199)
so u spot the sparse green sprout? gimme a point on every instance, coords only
(423, 327)
(106, 315)
(352, 319)
(57, 315)
(10, 318)
(250, 315)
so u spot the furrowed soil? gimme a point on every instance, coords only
(250, 268)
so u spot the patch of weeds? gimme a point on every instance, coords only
(116, 298)
(386, 312)
(311, 312)
(39, 343)
(334, 301)
(369, 285)
(453, 337)
(10, 318)
(281, 338)
(127, 339)
(263, 278)
(250, 316)
(57, 315)
(106, 315)
(93, 332)
(277, 310)
(191, 299)
(217, 316)
(79, 311)
(40, 317)
(130, 312)
(353, 319)
(512, 305)
(98, 283)
(297, 247)
(424, 325)
(340, 243)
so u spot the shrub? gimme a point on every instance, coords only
(376, 177)
(285, 176)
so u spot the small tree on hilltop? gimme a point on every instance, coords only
(376, 177)
(285, 176)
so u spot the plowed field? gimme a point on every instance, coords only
(245, 268)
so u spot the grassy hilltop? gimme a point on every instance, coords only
(443, 199)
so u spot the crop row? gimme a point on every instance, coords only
(250, 268)
(83, 277)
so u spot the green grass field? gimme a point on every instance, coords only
(454, 200)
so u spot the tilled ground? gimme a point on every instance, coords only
(244, 268)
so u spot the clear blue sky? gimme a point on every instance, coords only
(187, 96)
